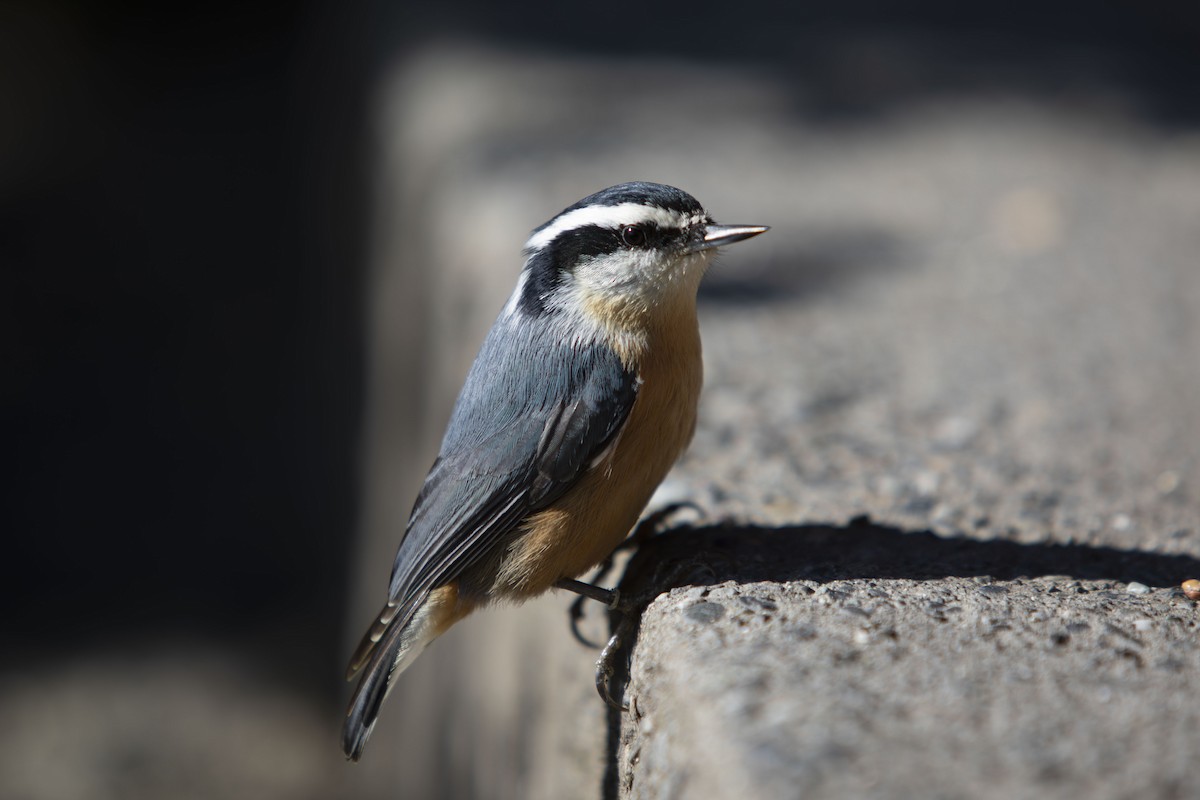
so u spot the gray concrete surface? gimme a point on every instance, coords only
(867, 662)
(974, 323)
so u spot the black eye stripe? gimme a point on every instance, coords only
(594, 240)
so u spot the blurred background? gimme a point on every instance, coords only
(248, 251)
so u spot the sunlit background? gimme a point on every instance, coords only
(248, 251)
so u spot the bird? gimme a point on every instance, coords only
(582, 397)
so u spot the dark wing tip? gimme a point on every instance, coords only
(364, 710)
(354, 741)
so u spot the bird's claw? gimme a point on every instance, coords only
(648, 526)
(606, 664)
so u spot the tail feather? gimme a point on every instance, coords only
(400, 634)
(371, 638)
(368, 698)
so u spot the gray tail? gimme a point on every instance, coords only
(365, 705)
(386, 650)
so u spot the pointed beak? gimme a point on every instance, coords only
(718, 235)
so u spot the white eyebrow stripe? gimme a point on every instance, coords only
(604, 217)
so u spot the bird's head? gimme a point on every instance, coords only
(622, 255)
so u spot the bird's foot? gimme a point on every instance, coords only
(649, 526)
(606, 664)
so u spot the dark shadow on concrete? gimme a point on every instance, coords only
(710, 555)
(821, 265)
(862, 549)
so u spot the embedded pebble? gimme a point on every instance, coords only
(705, 612)
(1167, 482)
(954, 433)
(1191, 589)
(1137, 588)
(803, 632)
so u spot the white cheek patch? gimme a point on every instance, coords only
(640, 276)
(619, 271)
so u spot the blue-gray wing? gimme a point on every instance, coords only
(536, 410)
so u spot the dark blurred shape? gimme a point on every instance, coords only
(864, 57)
(182, 240)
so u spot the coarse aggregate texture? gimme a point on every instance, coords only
(874, 663)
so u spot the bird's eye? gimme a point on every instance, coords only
(633, 235)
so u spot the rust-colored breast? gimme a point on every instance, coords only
(594, 516)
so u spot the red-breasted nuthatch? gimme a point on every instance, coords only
(582, 397)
